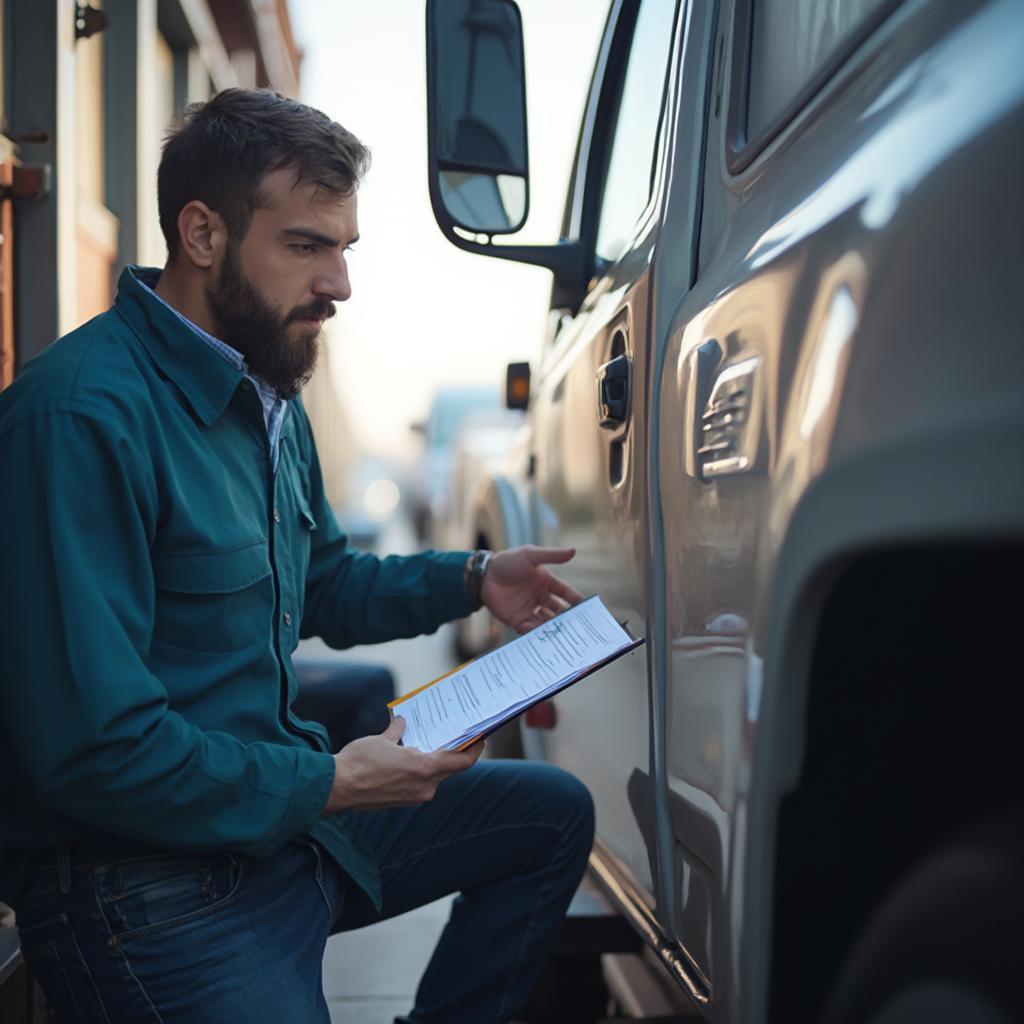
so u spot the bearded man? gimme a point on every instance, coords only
(177, 843)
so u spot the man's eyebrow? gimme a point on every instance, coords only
(315, 236)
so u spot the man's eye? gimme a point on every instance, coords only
(306, 248)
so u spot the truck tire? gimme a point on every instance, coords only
(947, 946)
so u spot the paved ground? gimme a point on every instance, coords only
(370, 976)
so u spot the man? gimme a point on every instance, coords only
(178, 845)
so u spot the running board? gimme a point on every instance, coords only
(624, 893)
(592, 926)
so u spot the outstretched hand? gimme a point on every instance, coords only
(521, 592)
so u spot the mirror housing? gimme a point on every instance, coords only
(478, 114)
(477, 161)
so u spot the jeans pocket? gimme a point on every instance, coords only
(55, 960)
(150, 894)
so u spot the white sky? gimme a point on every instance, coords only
(424, 313)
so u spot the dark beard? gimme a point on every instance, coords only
(247, 323)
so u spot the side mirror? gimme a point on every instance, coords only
(476, 89)
(477, 166)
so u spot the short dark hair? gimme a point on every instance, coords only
(221, 150)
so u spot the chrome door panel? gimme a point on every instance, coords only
(812, 232)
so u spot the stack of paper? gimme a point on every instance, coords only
(473, 700)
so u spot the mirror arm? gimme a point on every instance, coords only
(565, 259)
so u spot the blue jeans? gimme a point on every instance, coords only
(215, 938)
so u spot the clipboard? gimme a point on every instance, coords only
(558, 684)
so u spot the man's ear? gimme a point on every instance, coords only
(202, 234)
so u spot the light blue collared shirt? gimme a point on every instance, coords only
(274, 407)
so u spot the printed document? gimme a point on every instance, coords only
(463, 706)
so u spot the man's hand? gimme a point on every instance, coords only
(521, 592)
(375, 772)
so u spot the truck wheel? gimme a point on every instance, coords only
(947, 946)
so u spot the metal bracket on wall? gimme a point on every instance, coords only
(28, 182)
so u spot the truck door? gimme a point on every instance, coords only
(778, 263)
(589, 423)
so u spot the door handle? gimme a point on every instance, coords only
(729, 424)
(613, 381)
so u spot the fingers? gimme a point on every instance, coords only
(530, 622)
(555, 604)
(395, 729)
(549, 556)
(540, 614)
(449, 762)
(472, 754)
(563, 590)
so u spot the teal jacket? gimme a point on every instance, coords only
(157, 577)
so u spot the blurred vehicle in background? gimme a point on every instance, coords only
(371, 494)
(362, 530)
(484, 441)
(431, 481)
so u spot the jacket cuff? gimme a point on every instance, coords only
(448, 582)
(314, 778)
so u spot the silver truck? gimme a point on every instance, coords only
(780, 414)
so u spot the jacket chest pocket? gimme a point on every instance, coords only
(214, 600)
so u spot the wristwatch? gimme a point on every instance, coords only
(476, 569)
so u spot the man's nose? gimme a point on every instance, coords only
(333, 283)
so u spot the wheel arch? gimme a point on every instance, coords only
(499, 516)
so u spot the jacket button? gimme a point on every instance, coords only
(287, 618)
(277, 515)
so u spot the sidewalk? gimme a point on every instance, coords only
(370, 975)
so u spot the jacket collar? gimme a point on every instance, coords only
(206, 379)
